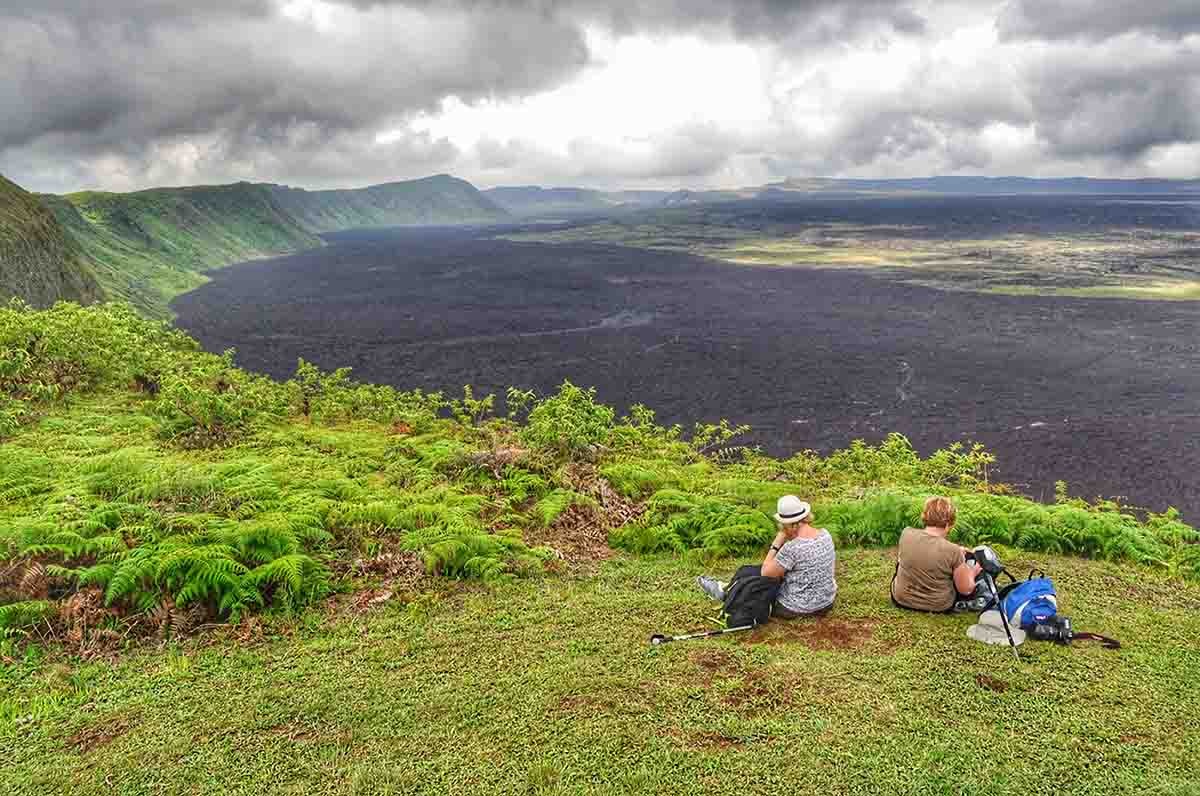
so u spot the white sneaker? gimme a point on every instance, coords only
(712, 587)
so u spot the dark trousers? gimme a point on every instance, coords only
(777, 610)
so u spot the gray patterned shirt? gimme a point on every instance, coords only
(808, 584)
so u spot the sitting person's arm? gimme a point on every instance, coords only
(771, 566)
(964, 577)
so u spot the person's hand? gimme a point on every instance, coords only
(782, 538)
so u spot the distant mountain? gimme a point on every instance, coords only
(982, 185)
(39, 262)
(433, 200)
(531, 200)
(686, 198)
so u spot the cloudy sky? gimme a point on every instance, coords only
(123, 94)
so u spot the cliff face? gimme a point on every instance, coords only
(149, 246)
(39, 262)
(433, 200)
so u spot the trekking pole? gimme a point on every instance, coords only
(991, 582)
(659, 638)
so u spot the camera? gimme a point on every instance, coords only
(1057, 630)
(987, 559)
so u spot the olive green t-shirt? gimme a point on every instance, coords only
(925, 574)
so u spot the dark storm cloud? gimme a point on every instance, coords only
(134, 10)
(1115, 100)
(1052, 19)
(817, 19)
(123, 78)
(116, 93)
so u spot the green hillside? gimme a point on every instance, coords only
(38, 261)
(433, 200)
(396, 592)
(150, 246)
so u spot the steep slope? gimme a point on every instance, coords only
(152, 245)
(441, 199)
(38, 261)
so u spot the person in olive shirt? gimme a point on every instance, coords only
(932, 573)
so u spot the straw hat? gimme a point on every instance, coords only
(790, 509)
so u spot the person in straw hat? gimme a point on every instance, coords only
(802, 555)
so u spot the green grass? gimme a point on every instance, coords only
(278, 513)
(550, 686)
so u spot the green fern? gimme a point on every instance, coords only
(15, 617)
(548, 509)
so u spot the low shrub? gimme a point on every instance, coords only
(570, 422)
(676, 523)
(212, 403)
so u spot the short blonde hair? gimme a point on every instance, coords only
(939, 512)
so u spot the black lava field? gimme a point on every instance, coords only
(1101, 393)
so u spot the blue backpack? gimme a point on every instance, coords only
(1030, 602)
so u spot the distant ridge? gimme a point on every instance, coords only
(149, 246)
(534, 200)
(440, 199)
(39, 262)
(991, 185)
(530, 200)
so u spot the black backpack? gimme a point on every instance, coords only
(749, 597)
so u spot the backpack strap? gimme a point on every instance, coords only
(1105, 641)
(1006, 589)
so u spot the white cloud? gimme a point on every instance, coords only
(673, 93)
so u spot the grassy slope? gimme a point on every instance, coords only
(149, 246)
(550, 687)
(38, 262)
(542, 682)
(434, 200)
(547, 684)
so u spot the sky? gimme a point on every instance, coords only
(127, 94)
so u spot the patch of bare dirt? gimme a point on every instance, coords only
(818, 633)
(991, 683)
(395, 574)
(716, 662)
(100, 734)
(756, 692)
